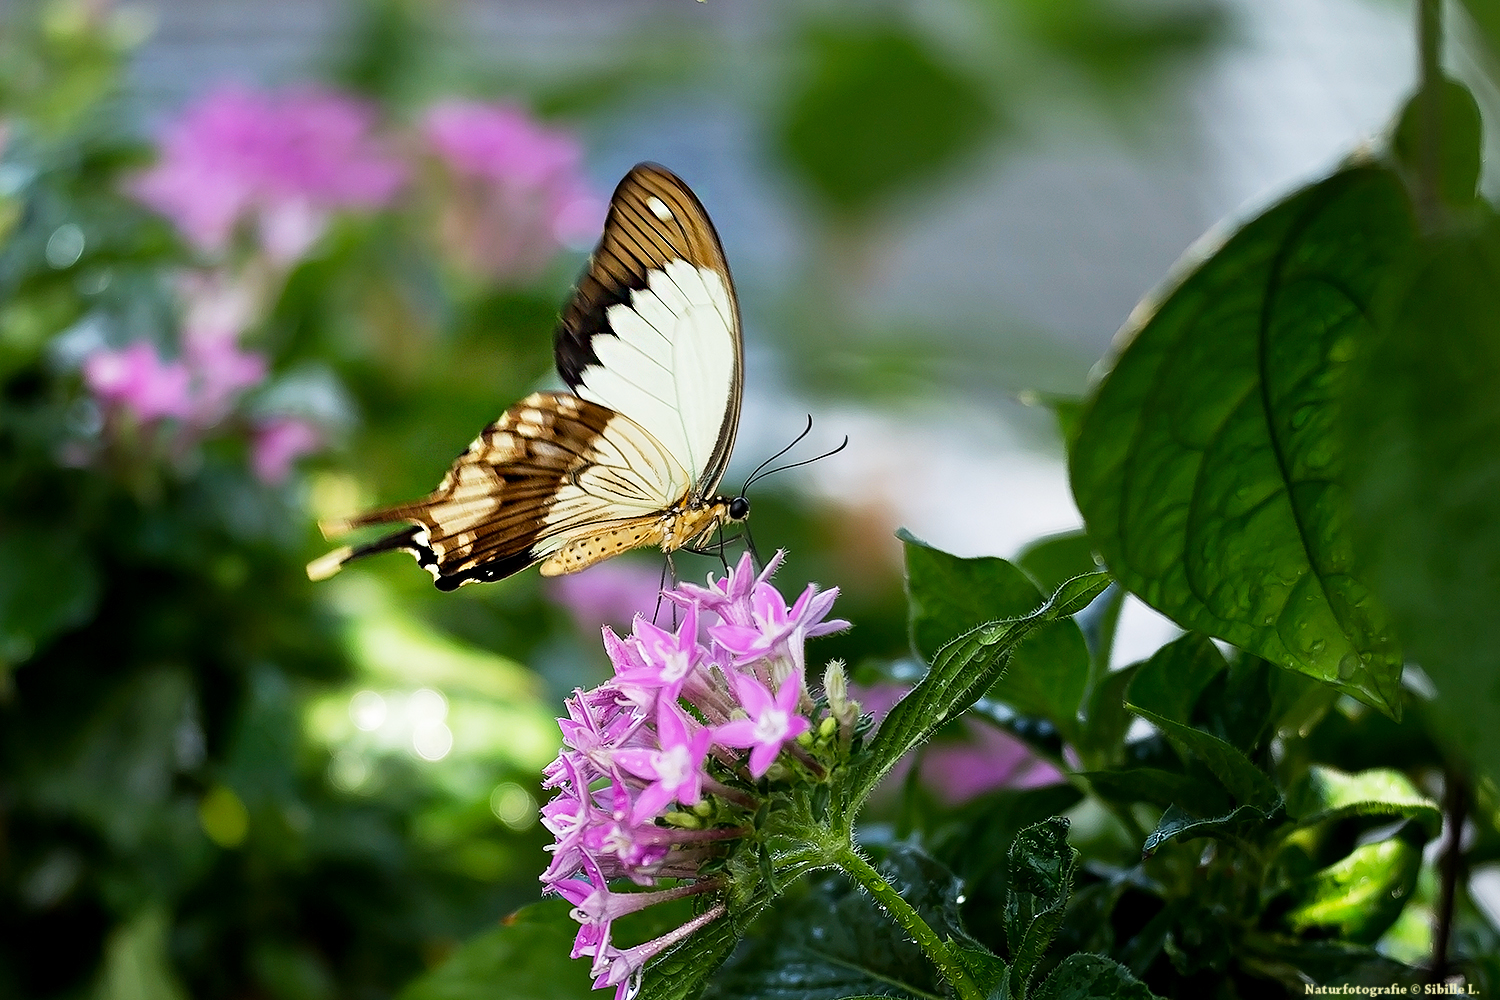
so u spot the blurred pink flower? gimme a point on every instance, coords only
(278, 443)
(516, 192)
(221, 372)
(136, 379)
(282, 162)
(957, 770)
(987, 759)
(610, 593)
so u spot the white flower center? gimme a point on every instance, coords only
(673, 767)
(772, 726)
(676, 666)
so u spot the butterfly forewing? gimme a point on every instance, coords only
(653, 330)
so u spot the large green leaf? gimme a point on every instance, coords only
(949, 596)
(1207, 469)
(1107, 721)
(526, 956)
(827, 939)
(961, 671)
(1199, 796)
(975, 844)
(1358, 897)
(1328, 794)
(1092, 977)
(1239, 776)
(683, 972)
(1424, 422)
(1170, 682)
(1175, 824)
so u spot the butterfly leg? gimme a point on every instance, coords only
(750, 544)
(671, 567)
(723, 559)
(661, 586)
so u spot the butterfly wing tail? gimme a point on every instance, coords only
(337, 527)
(408, 539)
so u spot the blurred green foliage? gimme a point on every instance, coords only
(196, 802)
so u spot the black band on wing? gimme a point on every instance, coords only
(635, 242)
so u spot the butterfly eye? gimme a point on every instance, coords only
(739, 509)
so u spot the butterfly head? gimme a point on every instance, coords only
(738, 509)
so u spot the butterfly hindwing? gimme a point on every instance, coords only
(552, 470)
(653, 330)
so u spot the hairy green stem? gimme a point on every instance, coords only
(911, 921)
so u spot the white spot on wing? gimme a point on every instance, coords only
(659, 208)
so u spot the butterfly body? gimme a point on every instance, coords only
(649, 346)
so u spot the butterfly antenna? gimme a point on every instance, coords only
(806, 461)
(795, 441)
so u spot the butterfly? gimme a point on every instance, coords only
(631, 456)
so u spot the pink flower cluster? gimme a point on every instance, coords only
(255, 178)
(514, 193)
(662, 765)
(201, 387)
(280, 163)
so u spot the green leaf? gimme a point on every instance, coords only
(975, 843)
(527, 956)
(1107, 720)
(137, 961)
(1459, 138)
(1170, 682)
(828, 939)
(1423, 422)
(960, 673)
(1236, 703)
(1246, 782)
(988, 970)
(1159, 788)
(1175, 824)
(1206, 469)
(1092, 977)
(1328, 963)
(1358, 897)
(878, 112)
(1042, 864)
(49, 585)
(1056, 559)
(683, 972)
(1327, 794)
(950, 596)
(1486, 17)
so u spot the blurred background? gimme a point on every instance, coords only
(268, 263)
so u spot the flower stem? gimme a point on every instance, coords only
(854, 865)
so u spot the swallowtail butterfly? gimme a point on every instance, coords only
(650, 347)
